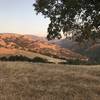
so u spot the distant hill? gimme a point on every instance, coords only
(65, 43)
(30, 43)
(71, 45)
(87, 49)
(28, 36)
(94, 52)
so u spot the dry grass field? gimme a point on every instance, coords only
(28, 81)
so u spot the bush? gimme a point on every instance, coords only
(80, 62)
(3, 59)
(39, 59)
(23, 58)
(75, 62)
(15, 58)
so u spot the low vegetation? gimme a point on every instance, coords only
(23, 58)
(80, 62)
(38, 59)
(28, 81)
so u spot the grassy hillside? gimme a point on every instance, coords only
(32, 44)
(28, 81)
(89, 49)
(4, 52)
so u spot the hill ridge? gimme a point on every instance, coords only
(23, 42)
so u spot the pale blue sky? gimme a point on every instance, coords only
(18, 16)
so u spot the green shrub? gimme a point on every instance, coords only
(39, 59)
(15, 58)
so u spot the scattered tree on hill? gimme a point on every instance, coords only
(80, 18)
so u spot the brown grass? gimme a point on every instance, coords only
(28, 81)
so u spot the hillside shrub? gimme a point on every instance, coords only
(23, 58)
(80, 62)
(39, 59)
(15, 58)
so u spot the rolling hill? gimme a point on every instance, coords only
(33, 44)
(94, 52)
(71, 45)
(88, 49)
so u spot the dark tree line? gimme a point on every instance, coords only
(42, 60)
(23, 58)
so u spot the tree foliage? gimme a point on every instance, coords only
(80, 18)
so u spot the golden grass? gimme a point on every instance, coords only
(28, 81)
(11, 52)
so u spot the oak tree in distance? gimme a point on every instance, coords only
(80, 18)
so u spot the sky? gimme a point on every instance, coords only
(18, 16)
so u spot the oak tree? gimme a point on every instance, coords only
(80, 18)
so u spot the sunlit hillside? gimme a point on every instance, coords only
(16, 42)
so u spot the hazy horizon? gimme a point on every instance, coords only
(18, 16)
